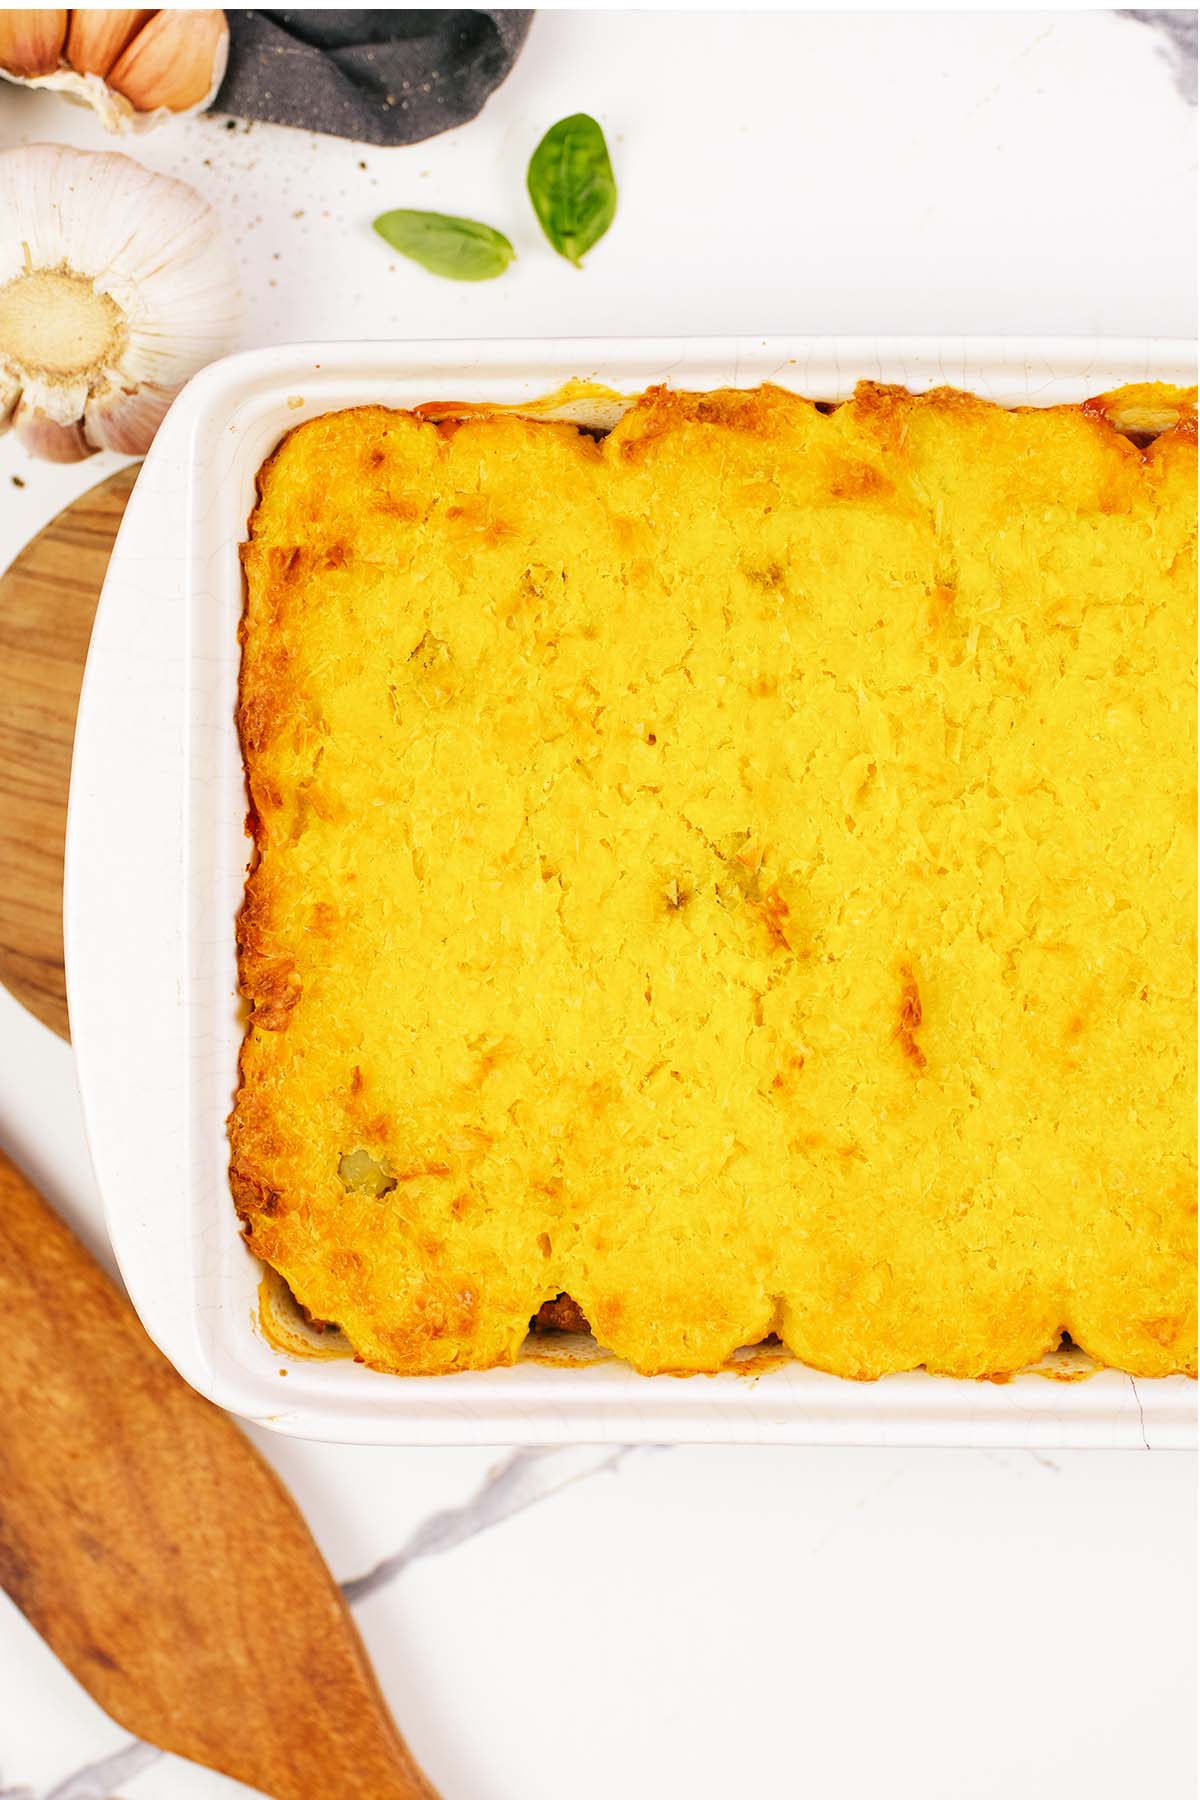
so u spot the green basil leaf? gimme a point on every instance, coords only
(572, 186)
(461, 249)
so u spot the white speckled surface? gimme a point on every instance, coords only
(933, 1625)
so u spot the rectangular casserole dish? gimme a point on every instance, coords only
(156, 864)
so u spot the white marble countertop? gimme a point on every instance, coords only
(945, 1625)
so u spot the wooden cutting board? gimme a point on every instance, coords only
(47, 603)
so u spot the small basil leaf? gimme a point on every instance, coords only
(572, 186)
(461, 249)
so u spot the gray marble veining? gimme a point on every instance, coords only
(1176, 31)
(521, 1480)
(95, 1780)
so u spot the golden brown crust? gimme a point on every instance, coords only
(734, 873)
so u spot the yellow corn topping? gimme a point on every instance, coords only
(739, 872)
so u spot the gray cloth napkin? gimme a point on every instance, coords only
(379, 77)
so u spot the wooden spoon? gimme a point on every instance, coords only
(155, 1551)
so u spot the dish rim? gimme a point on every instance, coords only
(151, 723)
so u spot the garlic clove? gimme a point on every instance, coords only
(115, 288)
(134, 68)
(48, 438)
(31, 40)
(175, 62)
(96, 36)
(125, 419)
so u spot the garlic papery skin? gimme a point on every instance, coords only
(133, 68)
(116, 286)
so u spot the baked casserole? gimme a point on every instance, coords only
(737, 872)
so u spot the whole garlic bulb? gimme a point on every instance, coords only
(134, 68)
(116, 286)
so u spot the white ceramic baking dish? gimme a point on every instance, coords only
(155, 865)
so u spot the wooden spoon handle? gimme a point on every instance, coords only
(155, 1551)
